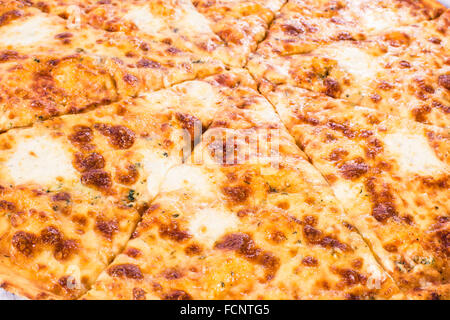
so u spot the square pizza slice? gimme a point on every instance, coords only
(48, 67)
(241, 24)
(73, 187)
(303, 25)
(390, 174)
(227, 30)
(403, 71)
(248, 217)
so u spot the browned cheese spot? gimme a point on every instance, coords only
(88, 162)
(177, 295)
(119, 136)
(138, 294)
(25, 242)
(237, 194)
(107, 227)
(353, 169)
(244, 245)
(127, 270)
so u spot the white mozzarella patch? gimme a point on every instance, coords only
(347, 192)
(37, 29)
(265, 113)
(361, 65)
(41, 160)
(5, 295)
(413, 153)
(198, 96)
(376, 20)
(192, 21)
(156, 168)
(273, 5)
(147, 22)
(209, 224)
(187, 20)
(74, 19)
(162, 98)
(189, 178)
(376, 278)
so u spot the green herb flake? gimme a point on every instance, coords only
(131, 194)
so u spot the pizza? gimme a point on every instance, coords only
(226, 30)
(303, 25)
(392, 177)
(51, 68)
(241, 24)
(73, 187)
(224, 149)
(402, 71)
(254, 209)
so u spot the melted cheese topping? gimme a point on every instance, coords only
(191, 21)
(156, 168)
(210, 224)
(143, 18)
(376, 276)
(41, 160)
(200, 96)
(189, 178)
(36, 29)
(74, 19)
(376, 20)
(195, 97)
(346, 191)
(362, 66)
(413, 153)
